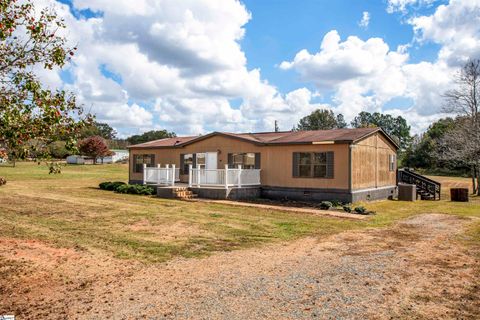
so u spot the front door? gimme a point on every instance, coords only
(208, 162)
(211, 160)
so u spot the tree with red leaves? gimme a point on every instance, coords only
(31, 37)
(94, 147)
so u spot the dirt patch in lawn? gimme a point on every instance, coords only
(168, 232)
(417, 268)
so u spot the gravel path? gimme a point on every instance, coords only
(414, 269)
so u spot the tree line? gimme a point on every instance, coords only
(450, 145)
(325, 119)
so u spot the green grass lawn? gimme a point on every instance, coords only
(69, 210)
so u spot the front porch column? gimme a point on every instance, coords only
(239, 175)
(226, 176)
(144, 173)
(173, 174)
(190, 173)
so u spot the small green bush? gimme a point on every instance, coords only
(122, 189)
(336, 203)
(54, 167)
(347, 208)
(360, 210)
(104, 185)
(135, 189)
(111, 186)
(325, 205)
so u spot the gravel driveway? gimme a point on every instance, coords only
(415, 269)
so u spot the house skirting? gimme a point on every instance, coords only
(325, 194)
(299, 194)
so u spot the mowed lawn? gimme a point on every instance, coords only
(68, 210)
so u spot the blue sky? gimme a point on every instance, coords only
(279, 29)
(201, 65)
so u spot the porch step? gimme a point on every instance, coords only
(175, 193)
(183, 193)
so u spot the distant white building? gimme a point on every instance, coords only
(76, 159)
(118, 155)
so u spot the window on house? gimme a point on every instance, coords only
(140, 159)
(247, 160)
(305, 165)
(320, 165)
(185, 161)
(313, 164)
(392, 162)
(201, 160)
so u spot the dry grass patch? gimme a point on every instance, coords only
(68, 210)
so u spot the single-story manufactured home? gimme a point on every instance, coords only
(342, 164)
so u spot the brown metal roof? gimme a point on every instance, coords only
(164, 143)
(273, 138)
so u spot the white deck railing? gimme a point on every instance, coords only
(161, 176)
(223, 177)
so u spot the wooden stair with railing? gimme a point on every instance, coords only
(427, 189)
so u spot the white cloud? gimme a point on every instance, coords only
(365, 19)
(179, 65)
(402, 5)
(339, 61)
(172, 64)
(455, 26)
(367, 75)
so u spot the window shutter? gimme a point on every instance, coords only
(230, 160)
(257, 160)
(194, 160)
(135, 163)
(152, 160)
(182, 159)
(296, 157)
(330, 164)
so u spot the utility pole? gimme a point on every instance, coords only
(276, 126)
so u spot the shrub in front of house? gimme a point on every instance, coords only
(347, 208)
(325, 205)
(122, 187)
(336, 203)
(361, 210)
(136, 189)
(111, 186)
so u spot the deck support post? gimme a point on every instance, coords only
(173, 175)
(226, 176)
(190, 173)
(144, 173)
(239, 175)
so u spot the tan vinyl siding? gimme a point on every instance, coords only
(370, 163)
